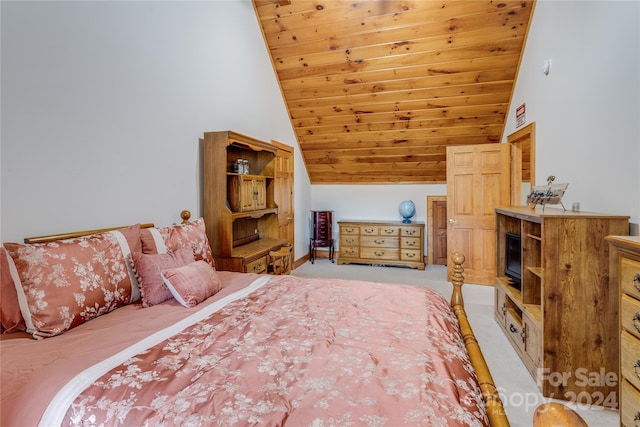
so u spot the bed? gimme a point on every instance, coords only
(91, 338)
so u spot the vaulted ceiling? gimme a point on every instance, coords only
(377, 89)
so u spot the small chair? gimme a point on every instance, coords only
(280, 261)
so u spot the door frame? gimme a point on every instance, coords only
(516, 140)
(430, 200)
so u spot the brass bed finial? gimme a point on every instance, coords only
(185, 215)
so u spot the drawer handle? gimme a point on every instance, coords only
(637, 417)
(636, 282)
(409, 255)
(410, 232)
(410, 243)
(379, 253)
(368, 230)
(350, 240)
(379, 242)
(636, 321)
(512, 328)
(523, 335)
(389, 231)
(636, 369)
(504, 308)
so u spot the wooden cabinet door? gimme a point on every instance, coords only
(283, 192)
(260, 193)
(247, 193)
(533, 342)
(478, 180)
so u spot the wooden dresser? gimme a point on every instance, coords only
(382, 243)
(625, 271)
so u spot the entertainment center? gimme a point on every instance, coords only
(562, 315)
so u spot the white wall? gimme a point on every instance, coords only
(372, 202)
(103, 104)
(587, 110)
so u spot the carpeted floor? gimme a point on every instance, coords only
(517, 388)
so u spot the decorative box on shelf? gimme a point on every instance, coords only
(550, 194)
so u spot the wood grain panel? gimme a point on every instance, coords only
(380, 77)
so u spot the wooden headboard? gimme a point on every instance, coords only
(70, 235)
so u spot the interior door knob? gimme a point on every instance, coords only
(452, 221)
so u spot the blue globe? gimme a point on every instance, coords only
(407, 209)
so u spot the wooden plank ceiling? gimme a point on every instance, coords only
(378, 89)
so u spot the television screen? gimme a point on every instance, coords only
(513, 262)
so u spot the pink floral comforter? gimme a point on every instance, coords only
(290, 351)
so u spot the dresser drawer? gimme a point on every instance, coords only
(410, 231)
(379, 241)
(369, 230)
(389, 231)
(410, 255)
(387, 254)
(372, 230)
(257, 266)
(630, 358)
(349, 251)
(630, 277)
(630, 314)
(349, 240)
(629, 405)
(347, 229)
(410, 242)
(514, 328)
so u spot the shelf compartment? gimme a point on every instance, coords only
(254, 214)
(538, 271)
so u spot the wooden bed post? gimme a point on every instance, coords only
(495, 409)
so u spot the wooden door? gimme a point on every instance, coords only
(478, 180)
(439, 232)
(283, 191)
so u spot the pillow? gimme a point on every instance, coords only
(65, 283)
(10, 316)
(161, 239)
(148, 268)
(132, 234)
(192, 283)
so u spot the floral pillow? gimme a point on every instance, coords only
(65, 283)
(148, 268)
(193, 234)
(10, 315)
(192, 283)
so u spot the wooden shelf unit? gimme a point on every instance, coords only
(240, 212)
(564, 318)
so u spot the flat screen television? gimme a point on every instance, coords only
(513, 261)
